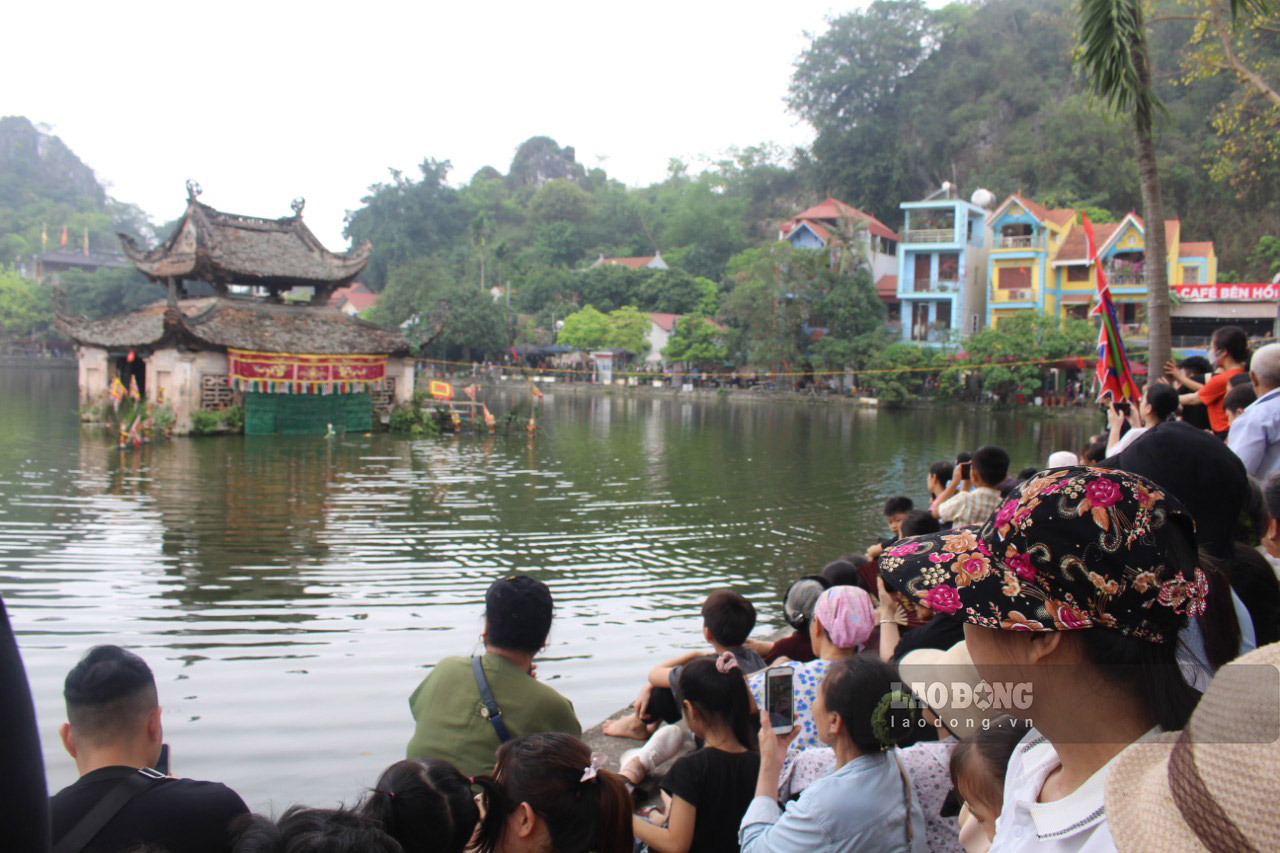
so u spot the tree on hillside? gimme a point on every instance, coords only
(586, 329)
(1245, 46)
(407, 219)
(696, 340)
(629, 330)
(24, 307)
(775, 291)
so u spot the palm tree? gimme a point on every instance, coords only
(1112, 51)
(848, 239)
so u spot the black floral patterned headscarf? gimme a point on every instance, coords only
(1070, 548)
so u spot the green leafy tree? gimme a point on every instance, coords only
(696, 340)
(775, 292)
(629, 330)
(1023, 337)
(407, 219)
(24, 306)
(678, 292)
(897, 371)
(586, 329)
(107, 291)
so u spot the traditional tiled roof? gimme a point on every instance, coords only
(226, 248)
(220, 322)
(1075, 248)
(77, 258)
(1058, 216)
(1062, 216)
(1196, 250)
(887, 288)
(818, 229)
(665, 322)
(629, 263)
(830, 210)
(357, 295)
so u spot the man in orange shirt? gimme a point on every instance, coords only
(1229, 352)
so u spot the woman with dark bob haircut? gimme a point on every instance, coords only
(466, 707)
(549, 793)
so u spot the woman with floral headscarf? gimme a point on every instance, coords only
(1072, 593)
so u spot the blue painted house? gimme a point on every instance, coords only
(942, 268)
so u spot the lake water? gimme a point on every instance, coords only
(290, 593)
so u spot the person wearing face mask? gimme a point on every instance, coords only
(1228, 351)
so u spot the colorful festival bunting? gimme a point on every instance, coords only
(304, 373)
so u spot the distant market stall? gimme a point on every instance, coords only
(297, 368)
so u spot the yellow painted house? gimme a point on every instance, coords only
(1039, 261)
(1122, 251)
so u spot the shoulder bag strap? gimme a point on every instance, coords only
(907, 796)
(491, 712)
(79, 836)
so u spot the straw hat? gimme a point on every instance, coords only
(961, 711)
(1225, 767)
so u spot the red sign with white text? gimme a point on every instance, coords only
(1255, 292)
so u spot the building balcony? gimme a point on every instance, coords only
(1028, 241)
(1126, 277)
(929, 235)
(925, 285)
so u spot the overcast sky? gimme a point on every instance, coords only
(264, 101)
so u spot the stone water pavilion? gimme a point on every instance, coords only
(296, 367)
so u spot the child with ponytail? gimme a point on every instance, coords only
(427, 806)
(867, 804)
(549, 793)
(711, 787)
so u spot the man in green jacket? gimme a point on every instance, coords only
(452, 722)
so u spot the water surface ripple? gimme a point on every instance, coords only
(291, 592)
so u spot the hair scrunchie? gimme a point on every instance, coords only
(726, 663)
(880, 725)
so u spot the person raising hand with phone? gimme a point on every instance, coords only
(867, 803)
(972, 495)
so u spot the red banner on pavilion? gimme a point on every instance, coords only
(303, 373)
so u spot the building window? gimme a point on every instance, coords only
(1077, 272)
(949, 266)
(215, 393)
(1013, 278)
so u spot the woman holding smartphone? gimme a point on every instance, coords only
(843, 619)
(867, 804)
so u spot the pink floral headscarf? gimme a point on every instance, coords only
(846, 614)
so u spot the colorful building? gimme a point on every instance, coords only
(942, 267)
(1121, 249)
(1039, 261)
(820, 227)
(1025, 239)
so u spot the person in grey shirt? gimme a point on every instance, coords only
(867, 803)
(1255, 435)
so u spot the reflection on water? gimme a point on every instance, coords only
(290, 592)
